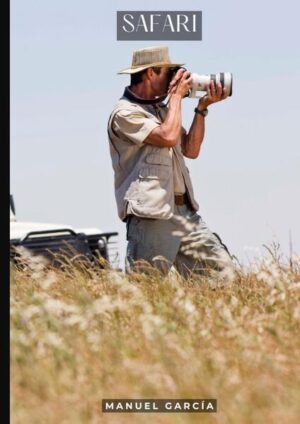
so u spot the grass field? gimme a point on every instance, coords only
(81, 334)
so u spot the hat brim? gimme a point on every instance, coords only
(151, 65)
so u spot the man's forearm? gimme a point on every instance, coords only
(172, 123)
(192, 141)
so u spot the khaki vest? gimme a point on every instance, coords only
(143, 173)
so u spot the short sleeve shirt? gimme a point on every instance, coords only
(133, 125)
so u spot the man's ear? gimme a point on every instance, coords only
(149, 73)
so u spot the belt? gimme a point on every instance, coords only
(181, 199)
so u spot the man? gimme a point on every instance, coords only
(153, 188)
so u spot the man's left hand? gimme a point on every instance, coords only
(214, 94)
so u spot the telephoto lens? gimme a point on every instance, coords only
(199, 82)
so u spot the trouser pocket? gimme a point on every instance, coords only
(133, 228)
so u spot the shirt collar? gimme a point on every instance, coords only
(134, 98)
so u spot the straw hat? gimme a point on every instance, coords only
(149, 57)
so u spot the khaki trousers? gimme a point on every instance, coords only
(184, 241)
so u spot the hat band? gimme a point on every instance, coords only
(150, 64)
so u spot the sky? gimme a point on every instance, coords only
(64, 84)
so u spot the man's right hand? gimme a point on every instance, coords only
(181, 83)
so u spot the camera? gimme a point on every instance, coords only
(200, 81)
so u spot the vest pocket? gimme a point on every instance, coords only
(158, 159)
(154, 173)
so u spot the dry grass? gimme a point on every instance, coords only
(80, 335)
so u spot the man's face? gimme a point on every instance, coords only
(160, 82)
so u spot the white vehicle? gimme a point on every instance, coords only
(49, 240)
